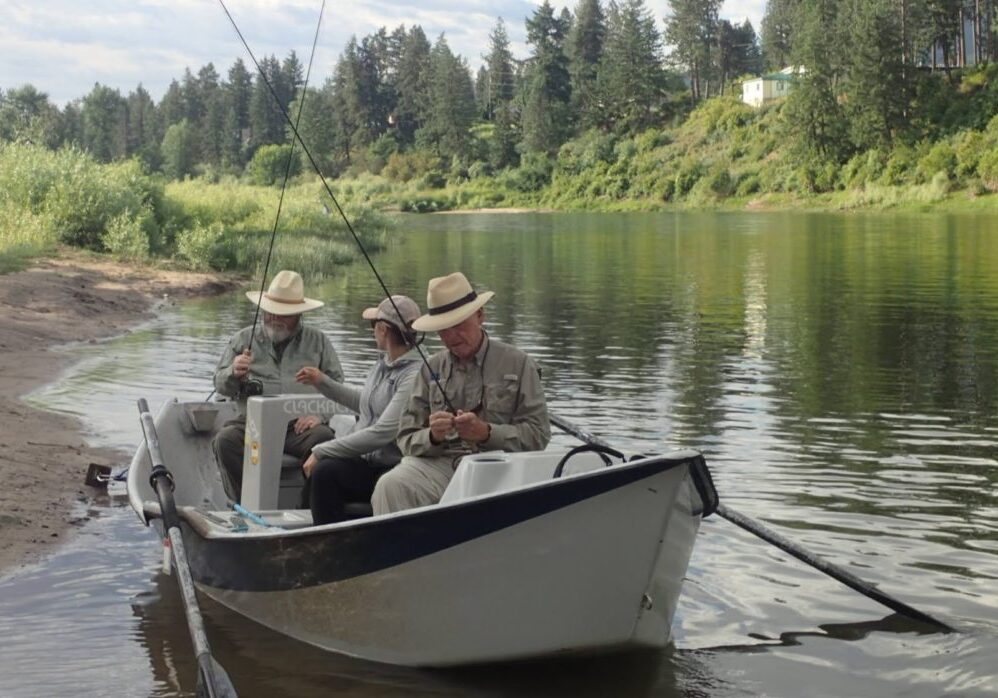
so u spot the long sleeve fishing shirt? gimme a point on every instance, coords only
(379, 404)
(501, 384)
(275, 365)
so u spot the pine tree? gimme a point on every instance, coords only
(499, 79)
(584, 47)
(546, 113)
(143, 128)
(104, 123)
(238, 91)
(412, 86)
(452, 105)
(631, 78)
(876, 82)
(691, 29)
(814, 118)
(211, 128)
(171, 107)
(778, 29)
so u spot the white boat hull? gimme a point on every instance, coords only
(590, 562)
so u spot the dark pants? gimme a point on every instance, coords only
(230, 441)
(336, 481)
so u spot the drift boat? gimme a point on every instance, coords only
(527, 555)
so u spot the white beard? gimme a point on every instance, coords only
(276, 333)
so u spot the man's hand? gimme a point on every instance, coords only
(471, 428)
(309, 375)
(241, 364)
(303, 424)
(309, 465)
(441, 424)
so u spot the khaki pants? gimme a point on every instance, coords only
(415, 482)
(230, 442)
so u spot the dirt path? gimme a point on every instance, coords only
(43, 458)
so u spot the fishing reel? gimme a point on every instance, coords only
(250, 388)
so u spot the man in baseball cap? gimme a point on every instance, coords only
(488, 398)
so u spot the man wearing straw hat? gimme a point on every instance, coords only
(282, 347)
(478, 394)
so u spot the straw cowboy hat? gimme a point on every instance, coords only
(285, 296)
(450, 300)
(386, 311)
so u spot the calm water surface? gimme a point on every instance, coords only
(839, 372)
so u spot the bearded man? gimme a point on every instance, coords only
(265, 363)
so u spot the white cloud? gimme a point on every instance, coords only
(63, 47)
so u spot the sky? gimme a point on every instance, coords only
(64, 47)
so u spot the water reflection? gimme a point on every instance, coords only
(840, 374)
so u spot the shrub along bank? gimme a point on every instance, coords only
(51, 197)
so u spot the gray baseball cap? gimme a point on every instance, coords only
(408, 308)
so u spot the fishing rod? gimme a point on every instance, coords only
(786, 545)
(332, 196)
(284, 183)
(287, 170)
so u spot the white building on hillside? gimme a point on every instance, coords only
(770, 87)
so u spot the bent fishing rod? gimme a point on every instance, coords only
(284, 183)
(339, 209)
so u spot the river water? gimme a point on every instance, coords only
(840, 373)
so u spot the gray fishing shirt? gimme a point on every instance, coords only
(501, 384)
(276, 365)
(379, 403)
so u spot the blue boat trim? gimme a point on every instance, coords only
(304, 560)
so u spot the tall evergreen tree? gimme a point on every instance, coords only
(104, 123)
(814, 118)
(778, 28)
(499, 77)
(266, 120)
(238, 91)
(631, 77)
(737, 51)
(143, 128)
(876, 81)
(691, 29)
(452, 106)
(584, 47)
(546, 113)
(171, 107)
(211, 128)
(412, 86)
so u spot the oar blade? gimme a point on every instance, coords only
(213, 681)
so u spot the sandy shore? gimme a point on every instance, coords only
(43, 459)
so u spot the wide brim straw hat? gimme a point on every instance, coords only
(450, 300)
(285, 296)
(408, 308)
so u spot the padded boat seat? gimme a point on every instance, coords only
(292, 480)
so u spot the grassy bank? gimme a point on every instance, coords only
(724, 155)
(66, 197)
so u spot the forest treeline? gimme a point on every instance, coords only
(609, 105)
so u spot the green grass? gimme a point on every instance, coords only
(52, 197)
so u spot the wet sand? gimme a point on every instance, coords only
(43, 458)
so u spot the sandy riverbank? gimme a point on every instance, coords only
(43, 458)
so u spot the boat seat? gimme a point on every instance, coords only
(292, 480)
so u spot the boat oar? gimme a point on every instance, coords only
(788, 546)
(213, 682)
